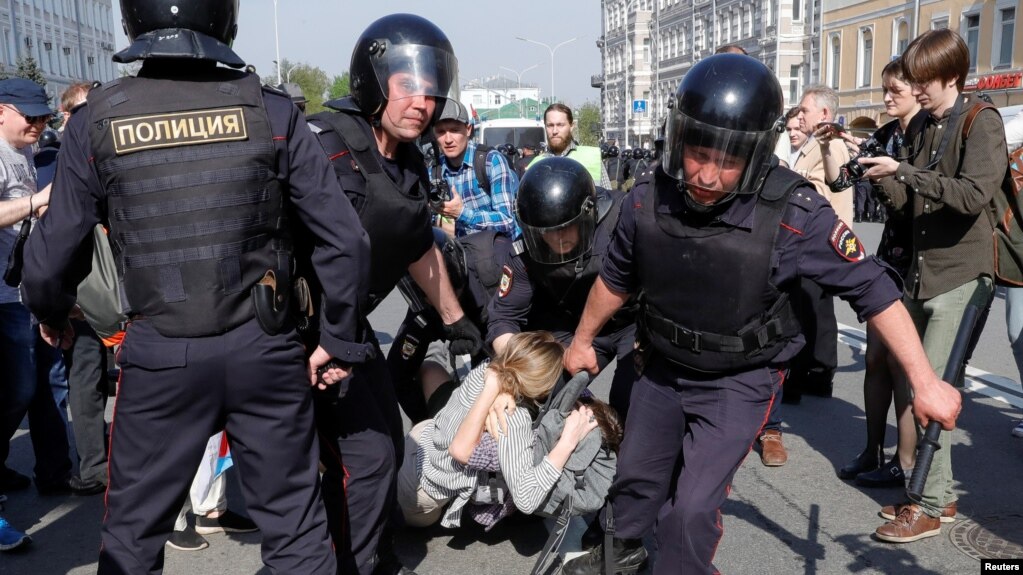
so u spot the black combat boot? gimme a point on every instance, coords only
(629, 557)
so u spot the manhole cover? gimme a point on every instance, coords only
(999, 537)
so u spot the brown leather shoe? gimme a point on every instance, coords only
(772, 450)
(909, 525)
(948, 514)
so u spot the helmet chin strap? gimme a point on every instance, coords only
(699, 208)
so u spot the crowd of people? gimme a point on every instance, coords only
(249, 244)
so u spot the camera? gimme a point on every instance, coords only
(439, 193)
(870, 148)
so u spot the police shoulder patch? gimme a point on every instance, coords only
(506, 281)
(845, 242)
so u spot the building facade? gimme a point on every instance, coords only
(861, 36)
(493, 94)
(649, 45)
(70, 40)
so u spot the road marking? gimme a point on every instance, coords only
(994, 386)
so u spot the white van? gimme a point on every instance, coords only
(516, 131)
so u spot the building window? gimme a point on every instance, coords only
(939, 23)
(794, 84)
(646, 50)
(747, 21)
(834, 72)
(797, 8)
(902, 38)
(866, 62)
(971, 33)
(1004, 32)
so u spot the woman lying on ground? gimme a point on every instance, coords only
(445, 457)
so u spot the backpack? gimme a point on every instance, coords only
(1005, 212)
(99, 294)
(584, 482)
(479, 165)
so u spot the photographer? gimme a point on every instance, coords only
(880, 381)
(946, 184)
(474, 205)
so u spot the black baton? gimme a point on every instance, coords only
(929, 442)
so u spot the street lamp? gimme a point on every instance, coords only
(518, 76)
(552, 51)
(277, 43)
(287, 75)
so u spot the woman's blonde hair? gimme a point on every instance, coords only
(529, 365)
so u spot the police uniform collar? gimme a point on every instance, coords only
(178, 43)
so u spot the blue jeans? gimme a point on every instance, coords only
(1014, 324)
(25, 389)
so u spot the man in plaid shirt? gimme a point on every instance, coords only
(471, 207)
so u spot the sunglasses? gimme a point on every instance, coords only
(31, 119)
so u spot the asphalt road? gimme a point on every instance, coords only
(794, 519)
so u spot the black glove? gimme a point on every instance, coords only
(464, 336)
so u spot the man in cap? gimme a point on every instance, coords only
(482, 184)
(24, 111)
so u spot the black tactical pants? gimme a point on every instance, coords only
(177, 392)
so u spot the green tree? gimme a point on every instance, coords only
(340, 86)
(28, 68)
(313, 81)
(587, 123)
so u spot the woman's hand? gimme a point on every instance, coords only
(493, 427)
(577, 425)
(852, 142)
(824, 133)
(880, 167)
(503, 406)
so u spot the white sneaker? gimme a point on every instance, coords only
(1018, 430)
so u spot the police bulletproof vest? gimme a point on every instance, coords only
(194, 204)
(563, 288)
(386, 211)
(697, 310)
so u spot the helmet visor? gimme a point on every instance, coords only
(716, 160)
(411, 70)
(562, 243)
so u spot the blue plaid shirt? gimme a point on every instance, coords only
(481, 211)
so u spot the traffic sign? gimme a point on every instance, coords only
(639, 106)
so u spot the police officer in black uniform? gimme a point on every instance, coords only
(199, 173)
(402, 69)
(716, 339)
(566, 229)
(474, 269)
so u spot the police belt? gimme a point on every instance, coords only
(749, 340)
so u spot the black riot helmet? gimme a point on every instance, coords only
(638, 153)
(727, 110)
(612, 152)
(410, 48)
(508, 150)
(202, 29)
(557, 210)
(49, 139)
